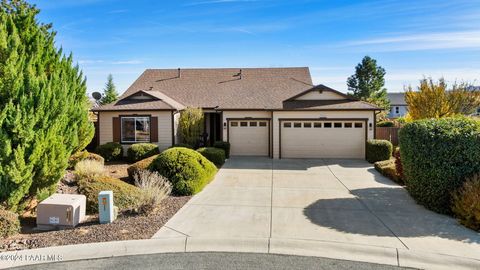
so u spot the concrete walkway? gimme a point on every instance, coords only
(314, 202)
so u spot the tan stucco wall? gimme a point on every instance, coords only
(318, 114)
(164, 126)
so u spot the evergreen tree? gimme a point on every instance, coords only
(368, 83)
(109, 92)
(43, 106)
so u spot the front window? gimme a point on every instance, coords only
(135, 129)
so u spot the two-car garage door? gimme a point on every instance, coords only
(322, 139)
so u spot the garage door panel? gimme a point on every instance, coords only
(249, 138)
(329, 139)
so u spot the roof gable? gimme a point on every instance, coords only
(321, 92)
(143, 100)
(321, 97)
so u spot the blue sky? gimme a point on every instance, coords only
(410, 39)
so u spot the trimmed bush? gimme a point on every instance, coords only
(378, 150)
(223, 145)
(110, 151)
(466, 203)
(385, 124)
(185, 145)
(125, 196)
(437, 156)
(186, 169)
(139, 166)
(83, 155)
(387, 168)
(215, 155)
(141, 151)
(9, 223)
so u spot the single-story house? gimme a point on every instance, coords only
(398, 105)
(274, 112)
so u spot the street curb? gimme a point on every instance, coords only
(333, 250)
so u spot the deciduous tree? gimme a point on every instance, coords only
(433, 99)
(191, 125)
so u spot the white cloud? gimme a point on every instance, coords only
(121, 62)
(210, 2)
(127, 62)
(397, 80)
(425, 41)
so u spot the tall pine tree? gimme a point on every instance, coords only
(43, 106)
(109, 92)
(368, 83)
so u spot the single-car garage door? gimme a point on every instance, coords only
(322, 139)
(249, 137)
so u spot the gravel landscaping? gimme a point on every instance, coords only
(126, 227)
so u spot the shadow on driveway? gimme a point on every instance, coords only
(396, 210)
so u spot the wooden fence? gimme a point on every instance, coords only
(388, 133)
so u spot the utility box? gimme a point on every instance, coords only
(106, 211)
(61, 211)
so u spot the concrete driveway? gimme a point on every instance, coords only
(335, 201)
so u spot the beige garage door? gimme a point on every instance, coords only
(323, 139)
(248, 138)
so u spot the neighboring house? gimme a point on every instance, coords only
(398, 106)
(274, 112)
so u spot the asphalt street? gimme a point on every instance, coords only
(212, 260)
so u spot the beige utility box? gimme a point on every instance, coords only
(61, 211)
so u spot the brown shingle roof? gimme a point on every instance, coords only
(258, 88)
(226, 88)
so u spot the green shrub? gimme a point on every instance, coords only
(223, 145)
(110, 151)
(139, 166)
(141, 151)
(387, 168)
(466, 203)
(215, 155)
(378, 150)
(186, 169)
(125, 196)
(9, 223)
(182, 145)
(437, 156)
(83, 155)
(385, 124)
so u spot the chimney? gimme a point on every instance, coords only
(179, 74)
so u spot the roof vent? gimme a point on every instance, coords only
(239, 75)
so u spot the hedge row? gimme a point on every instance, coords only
(437, 156)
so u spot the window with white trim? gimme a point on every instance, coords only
(135, 129)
